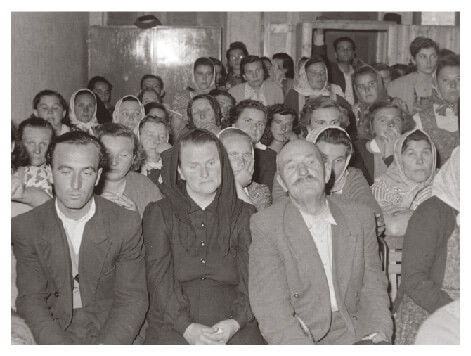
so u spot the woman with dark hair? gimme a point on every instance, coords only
(286, 65)
(102, 88)
(234, 54)
(441, 118)
(52, 107)
(282, 126)
(204, 113)
(121, 184)
(203, 81)
(149, 95)
(255, 85)
(197, 241)
(128, 111)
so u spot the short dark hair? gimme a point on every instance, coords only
(252, 59)
(148, 76)
(48, 92)
(335, 136)
(141, 94)
(363, 70)
(420, 43)
(380, 66)
(344, 39)
(19, 156)
(78, 138)
(149, 106)
(35, 122)
(156, 120)
(449, 60)
(97, 79)
(237, 45)
(322, 102)
(118, 130)
(280, 109)
(198, 137)
(417, 135)
(214, 104)
(218, 92)
(237, 110)
(288, 63)
(408, 122)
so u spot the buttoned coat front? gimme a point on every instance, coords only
(111, 269)
(287, 283)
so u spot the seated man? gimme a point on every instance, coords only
(315, 273)
(80, 258)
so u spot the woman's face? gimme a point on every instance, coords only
(200, 167)
(152, 135)
(334, 157)
(84, 107)
(120, 152)
(387, 119)
(254, 74)
(50, 109)
(426, 60)
(316, 75)
(203, 113)
(235, 56)
(281, 126)
(204, 76)
(279, 63)
(239, 150)
(367, 88)
(130, 114)
(324, 117)
(448, 82)
(252, 122)
(417, 161)
(36, 141)
(102, 90)
(150, 96)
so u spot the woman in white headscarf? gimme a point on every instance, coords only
(83, 110)
(431, 254)
(312, 82)
(129, 111)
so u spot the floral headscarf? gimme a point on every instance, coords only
(342, 178)
(84, 126)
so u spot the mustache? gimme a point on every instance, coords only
(330, 183)
(303, 179)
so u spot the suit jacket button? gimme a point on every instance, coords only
(296, 295)
(56, 294)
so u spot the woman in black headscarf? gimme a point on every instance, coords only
(197, 242)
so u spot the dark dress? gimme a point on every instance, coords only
(264, 167)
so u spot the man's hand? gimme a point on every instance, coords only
(198, 334)
(224, 330)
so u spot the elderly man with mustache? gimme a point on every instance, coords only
(315, 273)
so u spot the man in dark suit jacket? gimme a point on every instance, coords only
(80, 258)
(315, 273)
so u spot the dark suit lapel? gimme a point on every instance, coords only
(343, 249)
(304, 249)
(94, 248)
(54, 249)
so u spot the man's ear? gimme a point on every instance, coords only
(179, 170)
(98, 175)
(280, 181)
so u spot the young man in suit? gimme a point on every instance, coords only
(315, 273)
(80, 258)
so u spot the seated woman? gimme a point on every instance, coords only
(34, 137)
(153, 136)
(203, 78)
(348, 182)
(197, 240)
(226, 101)
(286, 65)
(431, 254)
(83, 108)
(149, 95)
(52, 107)
(407, 181)
(250, 116)
(440, 119)
(240, 150)
(282, 121)
(128, 111)
(386, 121)
(236, 51)
(204, 113)
(256, 86)
(120, 184)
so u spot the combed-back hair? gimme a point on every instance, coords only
(98, 79)
(237, 110)
(322, 102)
(344, 39)
(252, 59)
(280, 109)
(420, 43)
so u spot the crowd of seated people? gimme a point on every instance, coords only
(249, 210)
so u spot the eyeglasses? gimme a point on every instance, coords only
(233, 58)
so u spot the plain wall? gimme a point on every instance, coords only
(48, 51)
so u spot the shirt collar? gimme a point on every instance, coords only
(83, 219)
(260, 146)
(324, 216)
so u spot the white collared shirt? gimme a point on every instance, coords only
(321, 231)
(448, 122)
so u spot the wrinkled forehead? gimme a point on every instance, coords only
(297, 151)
